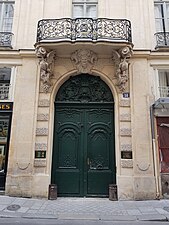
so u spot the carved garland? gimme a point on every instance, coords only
(121, 61)
(46, 61)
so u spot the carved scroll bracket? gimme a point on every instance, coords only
(121, 62)
(84, 60)
(46, 62)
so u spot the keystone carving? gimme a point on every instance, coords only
(121, 62)
(46, 61)
(84, 60)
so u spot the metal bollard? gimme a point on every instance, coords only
(113, 192)
(52, 194)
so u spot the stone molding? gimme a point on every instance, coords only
(126, 163)
(41, 146)
(125, 103)
(126, 147)
(46, 61)
(39, 162)
(125, 132)
(44, 103)
(41, 131)
(84, 60)
(43, 117)
(125, 117)
(121, 62)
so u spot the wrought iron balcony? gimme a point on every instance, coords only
(5, 39)
(84, 29)
(164, 91)
(162, 39)
(4, 91)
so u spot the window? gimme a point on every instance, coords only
(162, 16)
(85, 8)
(5, 80)
(6, 16)
(163, 83)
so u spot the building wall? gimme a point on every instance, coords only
(33, 114)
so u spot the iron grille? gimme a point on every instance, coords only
(5, 39)
(114, 30)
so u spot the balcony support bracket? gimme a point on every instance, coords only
(121, 61)
(46, 62)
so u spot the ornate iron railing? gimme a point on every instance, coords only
(5, 39)
(164, 91)
(162, 39)
(4, 91)
(114, 30)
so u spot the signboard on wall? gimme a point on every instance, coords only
(6, 106)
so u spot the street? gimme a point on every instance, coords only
(12, 221)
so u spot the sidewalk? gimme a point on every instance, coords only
(84, 209)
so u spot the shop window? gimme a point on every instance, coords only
(85, 8)
(5, 83)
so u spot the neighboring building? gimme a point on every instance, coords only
(84, 97)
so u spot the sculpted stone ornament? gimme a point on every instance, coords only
(121, 59)
(46, 60)
(84, 60)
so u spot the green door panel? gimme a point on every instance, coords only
(99, 151)
(66, 154)
(83, 161)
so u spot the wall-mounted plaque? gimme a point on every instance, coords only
(40, 154)
(126, 154)
(126, 95)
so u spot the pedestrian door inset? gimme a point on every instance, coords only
(83, 153)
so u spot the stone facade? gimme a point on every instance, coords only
(40, 73)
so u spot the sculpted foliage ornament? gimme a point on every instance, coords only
(84, 60)
(121, 59)
(46, 60)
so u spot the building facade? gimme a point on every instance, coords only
(84, 87)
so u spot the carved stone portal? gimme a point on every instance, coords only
(46, 61)
(120, 59)
(84, 60)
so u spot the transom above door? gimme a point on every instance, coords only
(83, 149)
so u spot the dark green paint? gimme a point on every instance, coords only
(83, 153)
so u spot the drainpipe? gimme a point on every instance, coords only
(154, 151)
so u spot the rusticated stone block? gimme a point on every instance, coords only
(126, 163)
(43, 117)
(42, 131)
(39, 162)
(44, 103)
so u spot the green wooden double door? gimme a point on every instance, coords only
(83, 154)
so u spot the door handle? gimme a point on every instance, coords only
(88, 161)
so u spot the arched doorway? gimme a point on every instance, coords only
(83, 161)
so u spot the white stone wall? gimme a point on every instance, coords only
(33, 114)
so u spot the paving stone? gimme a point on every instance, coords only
(39, 216)
(133, 212)
(118, 218)
(23, 209)
(65, 216)
(152, 217)
(161, 211)
(2, 207)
